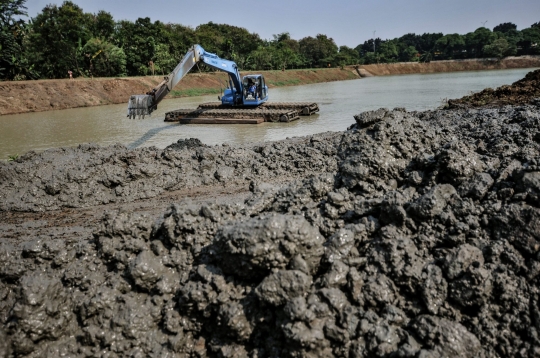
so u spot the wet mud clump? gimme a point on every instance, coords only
(521, 92)
(412, 234)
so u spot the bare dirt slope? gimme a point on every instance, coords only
(403, 68)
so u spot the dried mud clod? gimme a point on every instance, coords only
(413, 234)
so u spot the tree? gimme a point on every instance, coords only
(318, 51)
(63, 37)
(261, 58)
(104, 59)
(138, 40)
(406, 45)
(410, 47)
(284, 40)
(530, 40)
(426, 57)
(229, 42)
(478, 39)
(387, 52)
(14, 63)
(369, 58)
(451, 46)
(410, 54)
(426, 42)
(505, 27)
(499, 48)
(347, 56)
(103, 25)
(367, 46)
(57, 38)
(11, 8)
(164, 60)
(177, 39)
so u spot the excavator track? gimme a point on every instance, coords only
(303, 108)
(229, 115)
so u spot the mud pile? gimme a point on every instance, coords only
(417, 237)
(91, 175)
(518, 93)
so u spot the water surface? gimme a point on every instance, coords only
(338, 102)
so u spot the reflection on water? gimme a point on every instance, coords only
(338, 102)
(147, 136)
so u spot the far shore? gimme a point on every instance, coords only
(44, 95)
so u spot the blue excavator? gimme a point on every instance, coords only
(247, 93)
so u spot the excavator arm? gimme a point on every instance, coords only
(141, 105)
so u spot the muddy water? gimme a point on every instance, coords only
(338, 102)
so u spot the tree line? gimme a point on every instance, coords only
(62, 38)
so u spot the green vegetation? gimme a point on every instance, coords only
(504, 40)
(13, 158)
(194, 92)
(282, 83)
(64, 38)
(14, 63)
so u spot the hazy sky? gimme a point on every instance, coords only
(348, 22)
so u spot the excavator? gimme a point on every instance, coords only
(244, 98)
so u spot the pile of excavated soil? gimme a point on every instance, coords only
(520, 92)
(412, 234)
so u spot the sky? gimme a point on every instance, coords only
(348, 22)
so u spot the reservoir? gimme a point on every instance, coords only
(338, 103)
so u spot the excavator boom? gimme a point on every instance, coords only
(142, 105)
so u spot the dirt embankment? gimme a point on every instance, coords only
(412, 234)
(44, 95)
(451, 66)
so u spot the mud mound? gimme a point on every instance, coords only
(524, 91)
(91, 175)
(186, 143)
(421, 238)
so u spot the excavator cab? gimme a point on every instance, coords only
(254, 90)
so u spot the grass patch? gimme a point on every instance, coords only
(290, 82)
(191, 92)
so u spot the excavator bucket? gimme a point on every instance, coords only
(140, 105)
